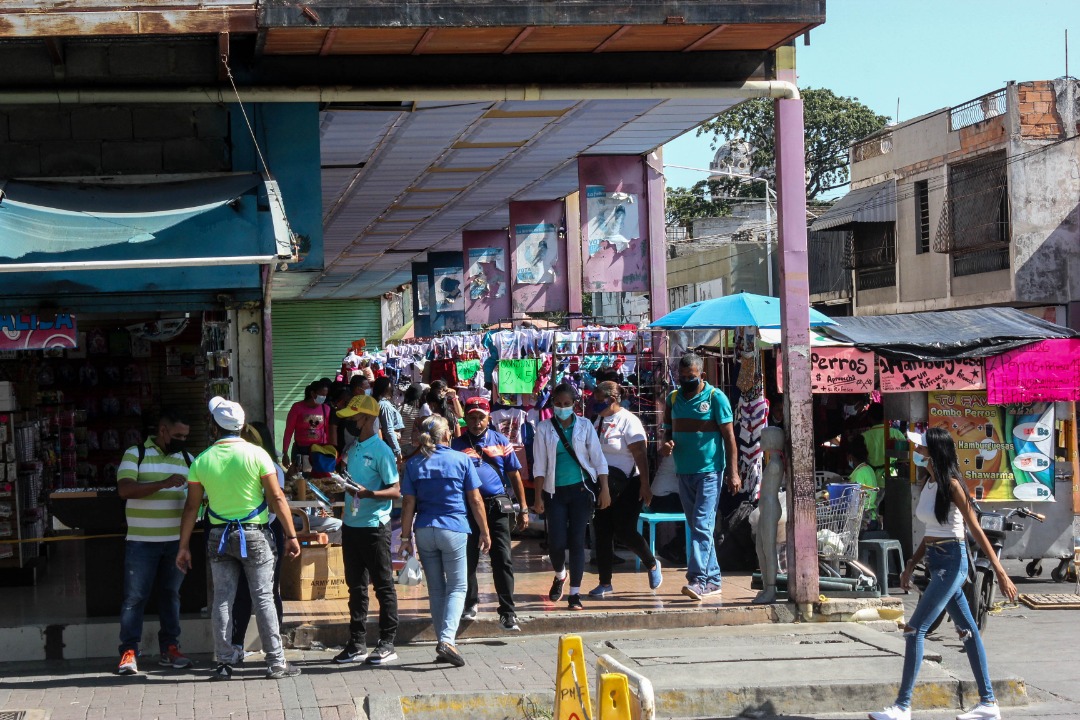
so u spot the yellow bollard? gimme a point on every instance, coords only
(614, 697)
(571, 684)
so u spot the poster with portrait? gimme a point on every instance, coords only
(486, 278)
(613, 219)
(537, 250)
(449, 289)
(423, 298)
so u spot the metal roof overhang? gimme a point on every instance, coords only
(871, 204)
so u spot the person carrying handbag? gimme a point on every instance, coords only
(622, 440)
(572, 471)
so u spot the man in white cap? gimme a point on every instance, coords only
(240, 482)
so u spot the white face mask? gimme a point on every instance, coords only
(320, 399)
(919, 459)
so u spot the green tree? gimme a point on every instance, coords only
(703, 199)
(832, 124)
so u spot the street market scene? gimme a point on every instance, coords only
(561, 360)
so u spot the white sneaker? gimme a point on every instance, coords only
(981, 712)
(893, 712)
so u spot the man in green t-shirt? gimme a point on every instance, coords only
(240, 482)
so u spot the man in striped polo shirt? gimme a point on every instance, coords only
(697, 420)
(153, 480)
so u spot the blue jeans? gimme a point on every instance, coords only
(442, 554)
(948, 567)
(148, 565)
(567, 514)
(699, 493)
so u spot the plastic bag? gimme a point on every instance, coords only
(411, 574)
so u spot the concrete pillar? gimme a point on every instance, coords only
(249, 368)
(795, 340)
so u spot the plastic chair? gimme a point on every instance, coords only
(655, 519)
(875, 554)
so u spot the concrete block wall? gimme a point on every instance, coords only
(45, 141)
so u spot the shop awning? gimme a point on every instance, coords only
(871, 204)
(975, 333)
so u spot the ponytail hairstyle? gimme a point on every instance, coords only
(433, 432)
(945, 468)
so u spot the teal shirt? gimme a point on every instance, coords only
(371, 464)
(567, 472)
(694, 425)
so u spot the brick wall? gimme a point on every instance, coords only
(984, 135)
(44, 141)
(1039, 117)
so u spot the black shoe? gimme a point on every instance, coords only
(383, 653)
(555, 594)
(276, 672)
(574, 603)
(223, 671)
(448, 653)
(509, 622)
(351, 653)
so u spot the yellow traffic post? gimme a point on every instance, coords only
(571, 684)
(614, 700)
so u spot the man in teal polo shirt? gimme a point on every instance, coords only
(697, 420)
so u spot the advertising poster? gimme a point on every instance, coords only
(613, 219)
(536, 253)
(1004, 454)
(921, 376)
(449, 291)
(36, 332)
(836, 370)
(1045, 371)
(423, 297)
(487, 273)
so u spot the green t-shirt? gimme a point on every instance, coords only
(694, 425)
(567, 472)
(865, 476)
(875, 447)
(156, 517)
(231, 472)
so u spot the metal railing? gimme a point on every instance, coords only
(977, 110)
(643, 701)
(871, 147)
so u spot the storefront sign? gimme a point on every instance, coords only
(1004, 454)
(35, 332)
(1046, 371)
(836, 370)
(920, 376)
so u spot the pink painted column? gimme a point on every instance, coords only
(795, 344)
(658, 289)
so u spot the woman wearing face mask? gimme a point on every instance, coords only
(622, 439)
(443, 401)
(308, 422)
(571, 468)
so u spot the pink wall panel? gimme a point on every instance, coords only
(614, 221)
(528, 257)
(487, 292)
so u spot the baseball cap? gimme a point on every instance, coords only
(917, 438)
(477, 404)
(360, 405)
(227, 414)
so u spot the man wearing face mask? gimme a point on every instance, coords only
(152, 478)
(697, 421)
(365, 536)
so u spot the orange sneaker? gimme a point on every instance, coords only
(173, 658)
(128, 666)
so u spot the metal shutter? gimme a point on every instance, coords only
(310, 339)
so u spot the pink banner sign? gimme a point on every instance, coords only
(37, 332)
(836, 370)
(614, 212)
(1046, 371)
(897, 376)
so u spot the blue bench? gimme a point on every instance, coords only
(654, 519)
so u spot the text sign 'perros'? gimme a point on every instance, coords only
(836, 370)
(37, 332)
(919, 375)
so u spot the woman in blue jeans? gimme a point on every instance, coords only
(569, 464)
(946, 511)
(440, 485)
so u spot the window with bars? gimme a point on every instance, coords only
(873, 255)
(922, 217)
(974, 223)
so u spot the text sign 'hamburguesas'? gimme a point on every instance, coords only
(1047, 371)
(836, 370)
(920, 375)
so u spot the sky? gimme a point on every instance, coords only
(929, 54)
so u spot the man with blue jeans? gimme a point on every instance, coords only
(153, 480)
(697, 417)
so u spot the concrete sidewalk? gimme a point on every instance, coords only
(799, 669)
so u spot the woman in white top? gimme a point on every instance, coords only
(946, 511)
(622, 440)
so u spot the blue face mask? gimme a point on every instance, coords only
(564, 413)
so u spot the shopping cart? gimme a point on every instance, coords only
(839, 521)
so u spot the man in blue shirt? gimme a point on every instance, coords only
(365, 535)
(497, 465)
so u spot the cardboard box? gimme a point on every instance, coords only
(317, 574)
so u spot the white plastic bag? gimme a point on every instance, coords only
(411, 574)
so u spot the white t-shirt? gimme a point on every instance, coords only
(616, 434)
(509, 422)
(924, 511)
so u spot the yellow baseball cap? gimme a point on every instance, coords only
(360, 405)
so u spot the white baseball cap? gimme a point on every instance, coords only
(227, 414)
(917, 438)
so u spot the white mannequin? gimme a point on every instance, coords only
(772, 479)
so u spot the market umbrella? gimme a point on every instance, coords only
(731, 311)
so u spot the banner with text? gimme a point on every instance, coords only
(836, 370)
(1046, 371)
(36, 332)
(921, 375)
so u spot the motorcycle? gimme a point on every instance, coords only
(980, 587)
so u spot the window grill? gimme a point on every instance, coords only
(975, 215)
(922, 215)
(975, 111)
(873, 255)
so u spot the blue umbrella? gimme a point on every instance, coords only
(731, 311)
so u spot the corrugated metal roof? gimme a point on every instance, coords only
(871, 204)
